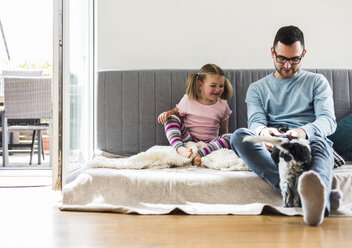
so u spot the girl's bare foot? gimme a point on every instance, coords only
(184, 152)
(197, 160)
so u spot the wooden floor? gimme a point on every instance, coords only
(29, 218)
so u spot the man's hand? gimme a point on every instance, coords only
(298, 132)
(270, 131)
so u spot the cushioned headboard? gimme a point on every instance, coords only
(129, 101)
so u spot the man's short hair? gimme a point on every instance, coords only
(289, 35)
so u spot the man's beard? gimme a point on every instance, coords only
(285, 76)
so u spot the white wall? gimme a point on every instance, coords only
(142, 34)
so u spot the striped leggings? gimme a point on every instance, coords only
(177, 134)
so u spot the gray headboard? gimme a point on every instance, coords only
(129, 101)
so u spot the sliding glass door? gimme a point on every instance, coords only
(75, 92)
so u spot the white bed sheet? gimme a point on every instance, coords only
(189, 189)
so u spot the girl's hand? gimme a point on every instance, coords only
(166, 115)
(163, 117)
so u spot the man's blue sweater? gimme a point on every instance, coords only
(302, 101)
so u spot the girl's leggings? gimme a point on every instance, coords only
(177, 134)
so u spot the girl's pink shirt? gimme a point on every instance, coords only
(203, 121)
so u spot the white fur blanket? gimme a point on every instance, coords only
(167, 157)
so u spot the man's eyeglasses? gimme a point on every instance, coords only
(293, 61)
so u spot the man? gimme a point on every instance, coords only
(301, 101)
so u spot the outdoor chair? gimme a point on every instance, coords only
(19, 73)
(26, 98)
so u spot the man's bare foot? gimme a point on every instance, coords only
(184, 152)
(197, 160)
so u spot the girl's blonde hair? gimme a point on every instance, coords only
(192, 89)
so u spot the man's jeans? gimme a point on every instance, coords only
(259, 160)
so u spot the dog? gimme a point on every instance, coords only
(292, 156)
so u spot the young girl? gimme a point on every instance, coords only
(205, 112)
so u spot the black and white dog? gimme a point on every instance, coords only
(293, 157)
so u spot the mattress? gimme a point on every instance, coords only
(192, 190)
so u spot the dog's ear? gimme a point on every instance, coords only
(288, 146)
(275, 155)
(300, 152)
